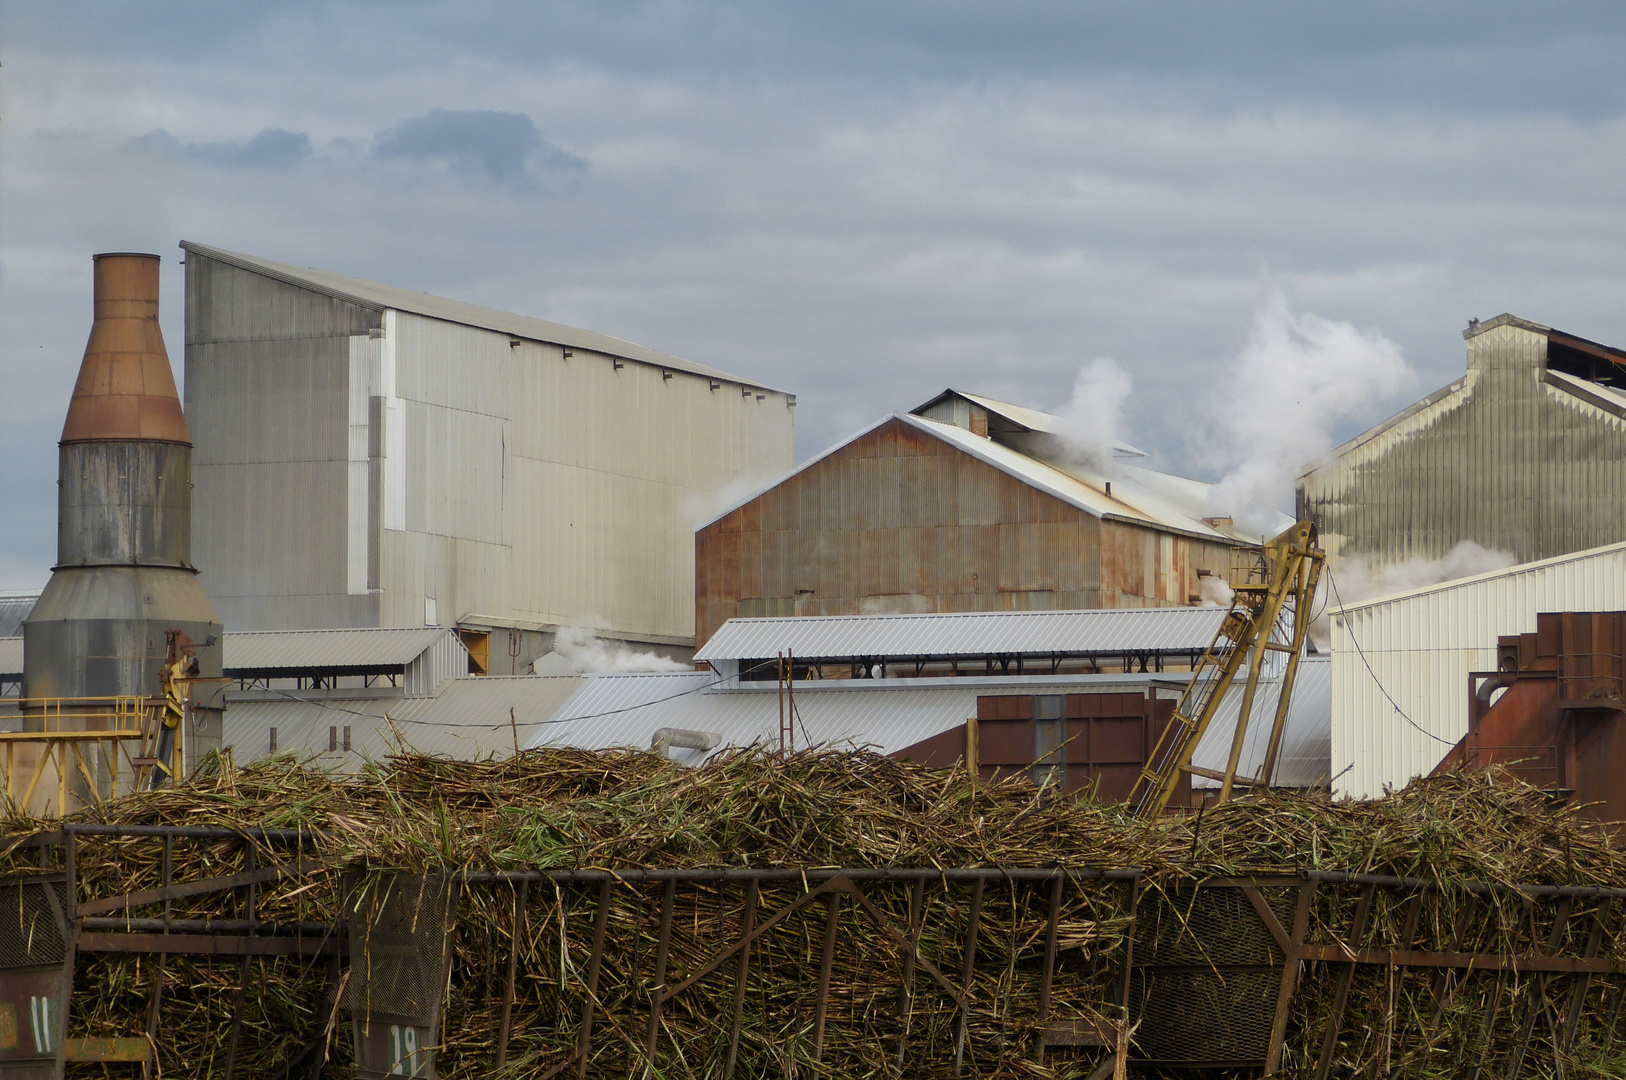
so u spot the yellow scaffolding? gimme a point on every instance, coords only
(125, 728)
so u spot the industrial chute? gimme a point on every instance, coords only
(1270, 613)
(179, 671)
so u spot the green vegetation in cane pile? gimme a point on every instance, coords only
(575, 810)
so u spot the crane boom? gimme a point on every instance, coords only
(1288, 571)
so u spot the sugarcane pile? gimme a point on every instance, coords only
(556, 810)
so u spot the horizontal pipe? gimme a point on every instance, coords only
(1471, 961)
(1024, 873)
(196, 832)
(1592, 892)
(211, 926)
(208, 944)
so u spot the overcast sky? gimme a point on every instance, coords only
(861, 203)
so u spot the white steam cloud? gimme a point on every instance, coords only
(1361, 578)
(1092, 420)
(581, 651)
(701, 507)
(1291, 384)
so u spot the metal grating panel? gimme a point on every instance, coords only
(1203, 1017)
(398, 948)
(1206, 978)
(30, 930)
(1213, 926)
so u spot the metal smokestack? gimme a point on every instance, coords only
(124, 573)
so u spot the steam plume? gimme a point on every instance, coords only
(1290, 385)
(587, 654)
(1093, 418)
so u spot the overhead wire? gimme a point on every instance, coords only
(1333, 580)
(507, 723)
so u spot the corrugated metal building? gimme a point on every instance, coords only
(915, 514)
(411, 661)
(1526, 453)
(1401, 663)
(368, 456)
(14, 609)
(472, 717)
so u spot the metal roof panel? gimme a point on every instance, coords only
(376, 295)
(980, 633)
(267, 650)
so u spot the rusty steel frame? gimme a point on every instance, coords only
(96, 926)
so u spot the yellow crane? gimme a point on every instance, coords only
(1269, 613)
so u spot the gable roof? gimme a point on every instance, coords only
(371, 294)
(1136, 497)
(1021, 417)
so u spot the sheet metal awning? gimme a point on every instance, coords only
(987, 633)
(311, 650)
(11, 656)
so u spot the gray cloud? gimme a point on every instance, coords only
(272, 148)
(500, 144)
(860, 203)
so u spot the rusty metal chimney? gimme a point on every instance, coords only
(124, 573)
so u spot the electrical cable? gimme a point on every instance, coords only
(508, 723)
(1378, 682)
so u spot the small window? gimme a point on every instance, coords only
(1049, 739)
(347, 737)
(273, 741)
(332, 738)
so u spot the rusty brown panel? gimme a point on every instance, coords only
(1005, 742)
(775, 580)
(850, 569)
(750, 564)
(888, 493)
(940, 751)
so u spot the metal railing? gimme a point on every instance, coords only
(108, 742)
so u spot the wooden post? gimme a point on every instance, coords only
(516, 926)
(1047, 977)
(826, 959)
(1290, 975)
(748, 920)
(593, 966)
(973, 922)
(663, 945)
(906, 997)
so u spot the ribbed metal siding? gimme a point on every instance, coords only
(267, 373)
(1421, 646)
(968, 634)
(510, 480)
(467, 719)
(331, 648)
(557, 490)
(1509, 459)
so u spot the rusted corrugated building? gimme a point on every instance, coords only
(953, 511)
(1525, 454)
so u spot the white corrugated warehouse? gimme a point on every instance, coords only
(371, 456)
(1400, 663)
